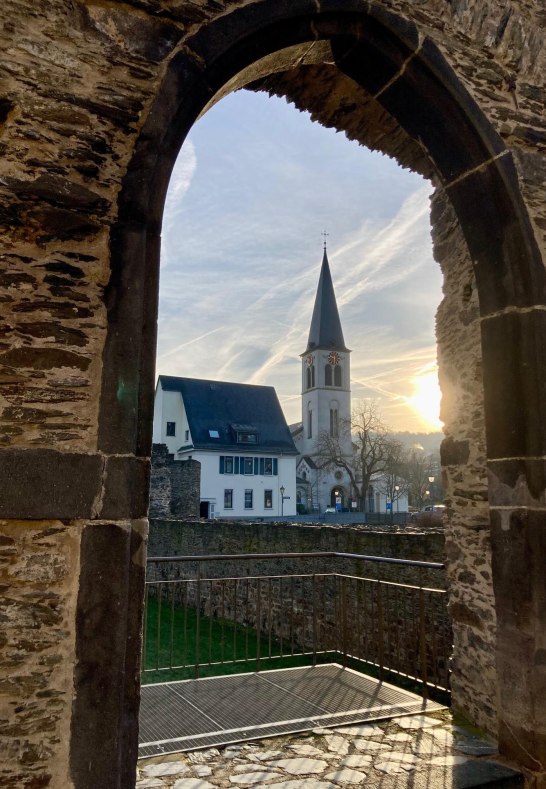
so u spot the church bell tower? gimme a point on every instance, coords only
(326, 371)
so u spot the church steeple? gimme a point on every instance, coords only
(326, 331)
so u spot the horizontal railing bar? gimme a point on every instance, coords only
(399, 673)
(308, 555)
(241, 660)
(361, 578)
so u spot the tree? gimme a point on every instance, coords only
(419, 468)
(393, 482)
(362, 447)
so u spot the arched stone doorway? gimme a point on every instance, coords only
(337, 497)
(376, 66)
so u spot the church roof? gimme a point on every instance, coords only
(326, 331)
(219, 413)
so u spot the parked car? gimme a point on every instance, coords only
(329, 509)
(432, 508)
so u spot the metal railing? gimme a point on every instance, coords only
(201, 616)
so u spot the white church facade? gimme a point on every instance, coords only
(326, 410)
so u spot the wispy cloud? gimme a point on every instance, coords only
(242, 250)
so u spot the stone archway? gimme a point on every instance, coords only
(85, 229)
(337, 496)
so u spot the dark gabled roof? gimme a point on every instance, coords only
(296, 428)
(326, 331)
(309, 460)
(228, 408)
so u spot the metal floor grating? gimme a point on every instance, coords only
(200, 713)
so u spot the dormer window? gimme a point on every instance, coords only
(247, 438)
(245, 434)
(214, 434)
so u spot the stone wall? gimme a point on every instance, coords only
(174, 485)
(95, 103)
(38, 583)
(463, 456)
(170, 537)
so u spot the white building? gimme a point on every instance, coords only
(325, 407)
(239, 435)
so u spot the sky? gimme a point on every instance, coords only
(255, 185)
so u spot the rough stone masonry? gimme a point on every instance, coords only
(96, 98)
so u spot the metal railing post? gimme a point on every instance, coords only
(344, 617)
(423, 643)
(380, 629)
(198, 621)
(258, 625)
(314, 619)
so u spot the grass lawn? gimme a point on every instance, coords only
(224, 647)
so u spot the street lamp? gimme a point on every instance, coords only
(397, 488)
(431, 480)
(282, 489)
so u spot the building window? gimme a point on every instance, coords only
(268, 466)
(248, 465)
(171, 428)
(186, 435)
(309, 423)
(228, 464)
(337, 376)
(268, 499)
(228, 499)
(328, 375)
(334, 423)
(247, 438)
(248, 499)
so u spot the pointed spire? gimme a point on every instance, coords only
(326, 331)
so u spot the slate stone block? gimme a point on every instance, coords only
(43, 484)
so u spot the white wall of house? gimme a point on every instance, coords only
(169, 408)
(214, 484)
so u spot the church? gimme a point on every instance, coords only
(325, 403)
(325, 409)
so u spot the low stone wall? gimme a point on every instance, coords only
(177, 537)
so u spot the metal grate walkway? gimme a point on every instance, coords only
(200, 713)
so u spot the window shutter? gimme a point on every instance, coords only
(275, 466)
(221, 464)
(256, 465)
(235, 465)
(262, 466)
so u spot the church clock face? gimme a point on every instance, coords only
(309, 360)
(334, 358)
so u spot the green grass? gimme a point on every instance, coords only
(231, 647)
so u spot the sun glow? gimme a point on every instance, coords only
(426, 398)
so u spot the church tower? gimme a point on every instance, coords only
(326, 371)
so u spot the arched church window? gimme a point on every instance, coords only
(334, 422)
(337, 375)
(328, 375)
(313, 375)
(309, 422)
(308, 377)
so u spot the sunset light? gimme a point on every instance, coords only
(426, 398)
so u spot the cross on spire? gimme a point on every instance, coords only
(325, 234)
